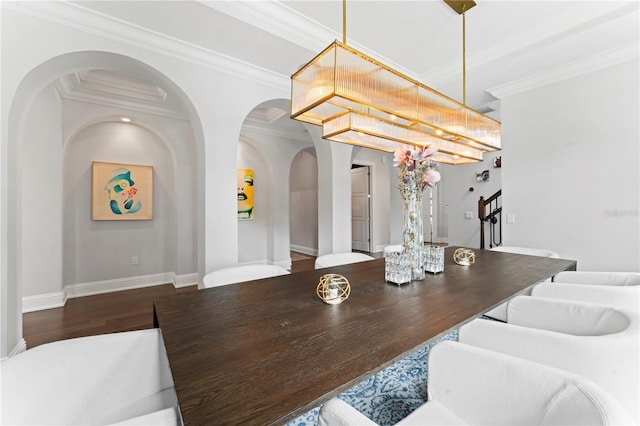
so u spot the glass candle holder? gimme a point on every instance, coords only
(433, 259)
(397, 267)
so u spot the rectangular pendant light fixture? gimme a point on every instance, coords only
(361, 101)
(358, 128)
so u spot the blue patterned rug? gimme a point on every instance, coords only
(390, 395)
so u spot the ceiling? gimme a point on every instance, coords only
(510, 45)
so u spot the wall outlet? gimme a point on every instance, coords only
(511, 218)
(134, 260)
(468, 215)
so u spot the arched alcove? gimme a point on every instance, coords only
(39, 124)
(270, 140)
(103, 250)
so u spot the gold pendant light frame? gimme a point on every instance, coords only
(360, 101)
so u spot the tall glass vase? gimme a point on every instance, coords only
(412, 233)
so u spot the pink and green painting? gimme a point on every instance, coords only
(121, 191)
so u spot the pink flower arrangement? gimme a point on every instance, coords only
(417, 171)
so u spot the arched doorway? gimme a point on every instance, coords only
(271, 143)
(38, 130)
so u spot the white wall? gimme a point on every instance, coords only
(334, 193)
(571, 170)
(456, 182)
(41, 197)
(102, 250)
(303, 185)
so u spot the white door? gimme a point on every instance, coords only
(360, 233)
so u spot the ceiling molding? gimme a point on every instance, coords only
(280, 20)
(594, 63)
(67, 89)
(77, 17)
(259, 128)
(119, 85)
(450, 73)
(114, 90)
(274, 113)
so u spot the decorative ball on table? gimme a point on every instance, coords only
(464, 256)
(333, 289)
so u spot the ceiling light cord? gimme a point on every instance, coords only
(464, 58)
(344, 21)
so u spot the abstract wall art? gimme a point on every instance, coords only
(121, 191)
(245, 194)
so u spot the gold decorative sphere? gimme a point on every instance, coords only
(333, 289)
(464, 256)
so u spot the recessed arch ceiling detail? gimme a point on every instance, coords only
(110, 88)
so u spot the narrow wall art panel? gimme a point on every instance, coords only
(121, 191)
(245, 194)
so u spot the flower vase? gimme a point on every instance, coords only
(412, 234)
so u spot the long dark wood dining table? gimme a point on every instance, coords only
(266, 351)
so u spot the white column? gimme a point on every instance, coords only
(334, 194)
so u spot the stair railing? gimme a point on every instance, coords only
(490, 210)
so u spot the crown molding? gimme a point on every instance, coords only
(118, 85)
(591, 64)
(529, 40)
(72, 87)
(101, 100)
(79, 18)
(261, 129)
(279, 20)
(282, 21)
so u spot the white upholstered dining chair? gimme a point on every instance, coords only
(616, 279)
(526, 250)
(469, 385)
(335, 259)
(500, 312)
(240, 273)
(626, 297)
(617, 289)
(97, 380)
(598, 342)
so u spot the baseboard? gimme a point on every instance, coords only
(439, 241)
(380, 248)
(286, 264)
(306, 250)
(43, 301)
(56, 300)
(19, 348)
(255, 262)
(186, 280)
(120, 284)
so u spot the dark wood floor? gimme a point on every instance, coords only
(105, 313)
